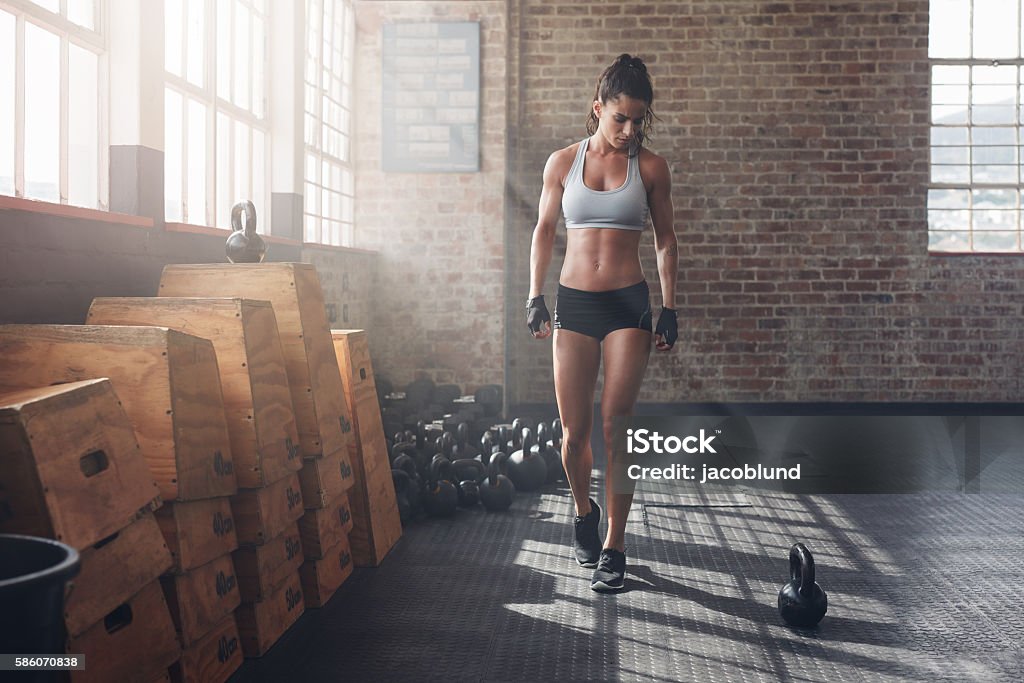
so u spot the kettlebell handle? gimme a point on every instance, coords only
(250, 217)
(801, 568)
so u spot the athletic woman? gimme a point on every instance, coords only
(607, 186)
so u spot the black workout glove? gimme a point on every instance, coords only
(537, 314)
(668, 326)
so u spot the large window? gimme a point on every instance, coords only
(215, 113)
(974, 200)
(329, 204)
(53, 142)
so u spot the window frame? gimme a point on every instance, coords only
(317, 151)
(68, 33)
(971, 186)
(214, 104)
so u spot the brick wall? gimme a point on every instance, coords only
(440, 293)
(797, 134)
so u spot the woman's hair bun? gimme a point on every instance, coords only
(631, 62)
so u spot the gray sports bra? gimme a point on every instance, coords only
(624, 208)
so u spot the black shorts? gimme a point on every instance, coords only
(595, 314)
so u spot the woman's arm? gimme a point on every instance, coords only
(665, 244)
(538, 318)
(547, 221)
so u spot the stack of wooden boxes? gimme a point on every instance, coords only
(324, 429)
(168, 386)
(260, 519)
(207, 483)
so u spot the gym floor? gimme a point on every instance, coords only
(920, 587)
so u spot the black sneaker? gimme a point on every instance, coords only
(611, 571)
(586, 543)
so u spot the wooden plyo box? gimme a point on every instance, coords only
(261, 569)
(202, 597)
(263, 514)
(376, 523)
(113, 571)
(324, 479)
(257, 399)
(322, 529)
(323, 419)
(213, 658)
(261, 624)
(167, 382)
(198, 531)
(134, 642)
(321, 578)
(70, 467)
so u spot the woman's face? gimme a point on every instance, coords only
(620, 120)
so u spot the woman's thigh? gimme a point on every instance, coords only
(625, 353)
(577, 359)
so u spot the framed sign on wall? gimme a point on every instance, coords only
(431, 98)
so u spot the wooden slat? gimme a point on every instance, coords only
(322, 578)
(261, 624)
(376, 522)
(201, 597)
(213, 658)
(113, 571)
(261, 569)
(263, 514)
(198, 532)
(135, 642)
(324, 479)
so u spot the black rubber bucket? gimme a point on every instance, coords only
(33, 575)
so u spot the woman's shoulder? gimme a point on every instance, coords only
(560, 161)
(652, 163)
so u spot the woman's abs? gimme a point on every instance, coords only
(601, 259)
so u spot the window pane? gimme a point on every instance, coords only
(994, 220)
(994, 155)
(6, 103)
(949, 136)
(196, 51)
(309, 228)
(196, 205)
(173, 116)
(985, 240)
(994, 35)
(172, 37)
(958, 175)
(259, 172)
(242, 170)
(52, 5)
(242, 75)
(224, 50)
(42, 114)
(950, 155)
(82, 12)
(946, 34)
(83, 122)
(224, 203)
(949, 220)
(948, 199)
(948, 115)
(259, 56)
(949, 241)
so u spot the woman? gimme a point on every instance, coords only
(607, 185)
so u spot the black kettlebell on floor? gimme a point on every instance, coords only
(441, 498)
(802, 603)
(468, 473)
(497, 490)
(526, 468)
(402, 482)
(244, 245)
(414, 494)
